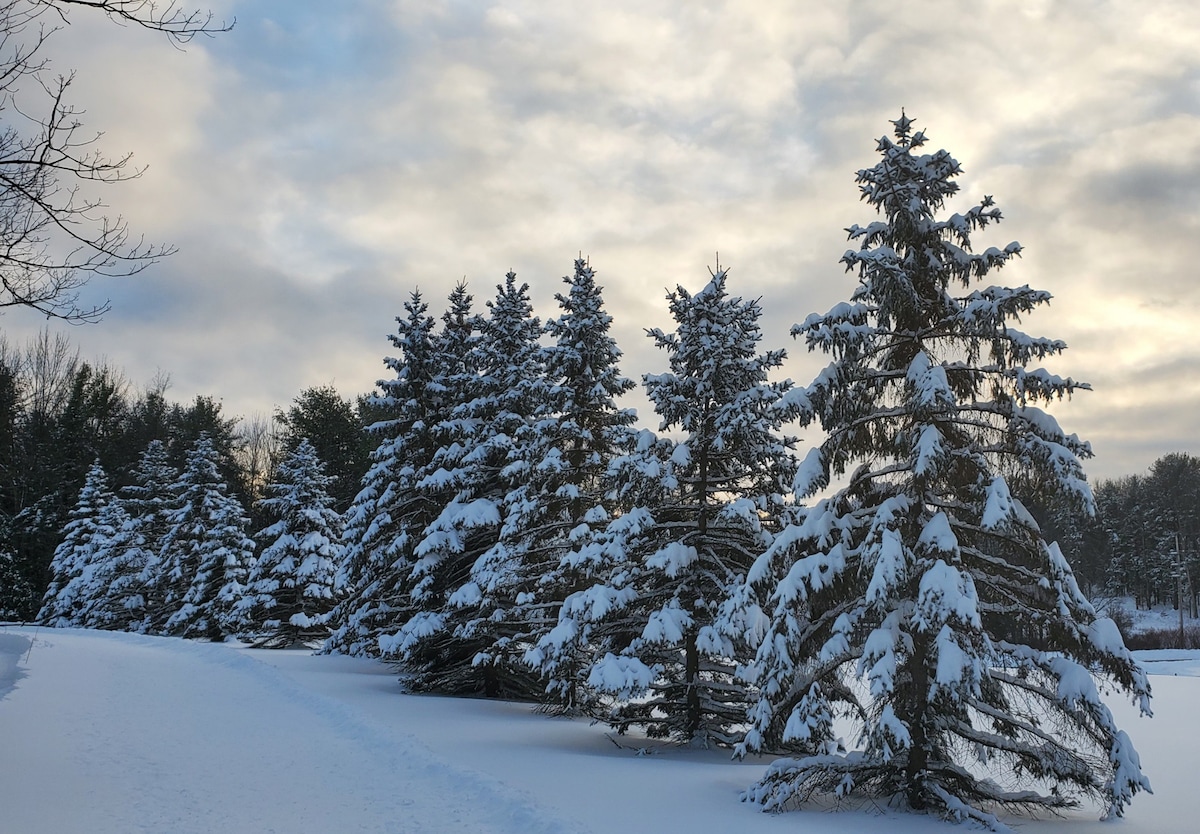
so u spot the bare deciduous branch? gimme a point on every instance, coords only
(53, 236)
(170, 18)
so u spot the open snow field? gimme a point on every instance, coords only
(106, 732)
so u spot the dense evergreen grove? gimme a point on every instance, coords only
(491, 521)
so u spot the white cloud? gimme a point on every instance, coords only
(320, 161)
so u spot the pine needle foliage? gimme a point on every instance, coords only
(920, 602)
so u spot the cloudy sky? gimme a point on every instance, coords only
(321, 160)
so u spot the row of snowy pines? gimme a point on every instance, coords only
(170, 555)
(908, 635)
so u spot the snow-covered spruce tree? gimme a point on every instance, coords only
(592, 616)
(557, 474)
(127, 578)
(289, 591)
(920, 602)
(141, 585)
(388, 516)
(74, 549)
(89, 537)
(206, 553)
(447, 646)
(673, 560)
(115, 602)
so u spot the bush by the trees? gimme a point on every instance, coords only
(15, 589)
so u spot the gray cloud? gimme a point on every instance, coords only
(319, 162)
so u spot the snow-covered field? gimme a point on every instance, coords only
(107, 732)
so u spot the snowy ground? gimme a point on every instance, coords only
(104, 732)
(1159, 618)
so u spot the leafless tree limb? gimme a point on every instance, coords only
(53, 236)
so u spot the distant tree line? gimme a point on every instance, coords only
(510, 533)
(1143, 541)
(61, 415)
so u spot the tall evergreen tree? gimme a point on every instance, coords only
(560, 486)
(676, 557)
(1174, 484)
(920, 602)
(207, 553)
(389, 513)
(151, 500)
(95, 521)
(447, 645)
(148, 418)
(555, 475)
(289, 591)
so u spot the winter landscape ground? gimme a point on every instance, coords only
(109, 732)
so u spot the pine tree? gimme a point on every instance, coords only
(389, 514)
(151, 501)
(1135, 569)
(88, 538)
(289, 591)
(88, 594)
(15, 587)
(555, 475)
(206, 552)
(448, 645)
(676, 556)
(920, 602)
(333, 426)
(127, 577)
(563, 489)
